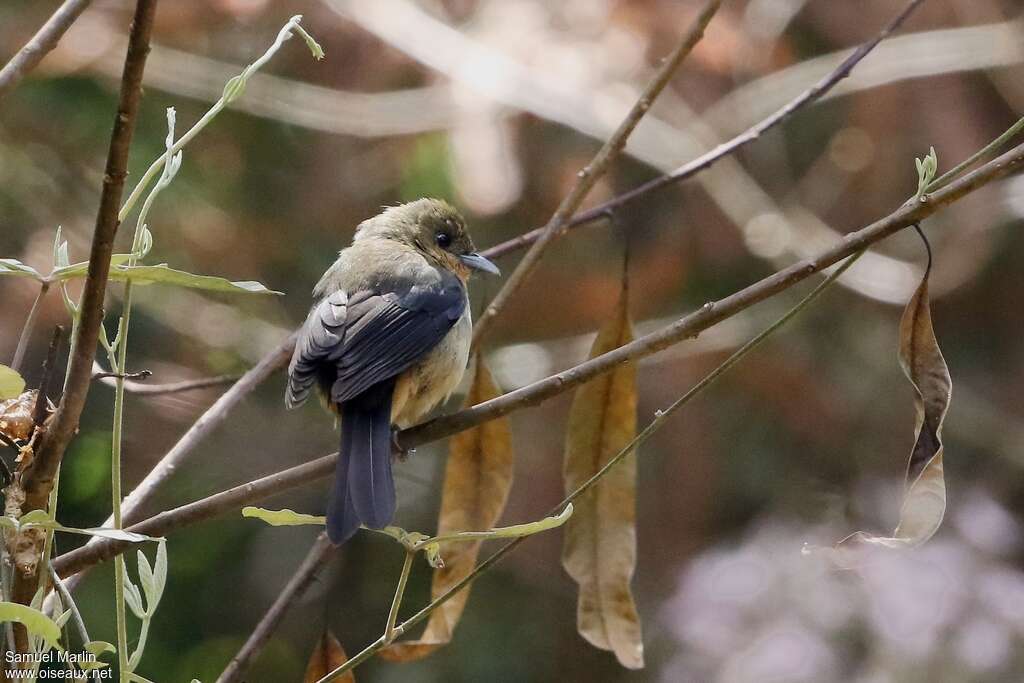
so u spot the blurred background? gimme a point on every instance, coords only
(495, 105)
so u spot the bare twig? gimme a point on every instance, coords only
(685, 328)
(318, 556)
(41, 43)
(46, 383)
(692, 168)
(593, 171)
(37, 480)
(141, 374)
(147, 389)
(30, 324)
(165, 522)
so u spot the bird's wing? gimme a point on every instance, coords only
(366, 337)
(387, 333)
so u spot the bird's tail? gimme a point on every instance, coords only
(364, 490)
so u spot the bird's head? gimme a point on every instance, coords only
(435, 229)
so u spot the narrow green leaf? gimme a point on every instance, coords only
(163, 274)
(146, 579)
(132, 596)
(37, 623)
(99, 647)
(63, 618)
(113, 534)
(67, 271)
(160, 572)
(284, 517)
(513, 531)
(11, 383)
(37, 518)
(9, 266)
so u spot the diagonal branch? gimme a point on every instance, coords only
(706, 160)
(321, 552)
(593, 171)
(45, 39)
(685, 328)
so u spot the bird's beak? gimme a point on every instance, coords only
(478, 262)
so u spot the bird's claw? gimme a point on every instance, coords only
(397, 449)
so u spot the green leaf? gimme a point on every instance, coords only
(163, 274)
(132, 596)
(513, 531)
(9, 266)
(63, 618)
(99, 647)
(146, 579)
(160, 572)
(37, 518)
(284, 517)
(11, 383)
(37, 623)
(60, 250)
(113, 534)
(70, 271)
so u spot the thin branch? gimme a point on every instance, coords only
(30, 324)
(65, 596)
(146, 389)
(321, 552)
(593, 171)
(141, 374)
(45, 39)
(80, 559)
(687, 327)
(37, 480)
(46, 383)
(706, 160)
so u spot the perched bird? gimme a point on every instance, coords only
(387, 339)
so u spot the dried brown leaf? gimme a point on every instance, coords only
(924, 501)
(327, 656)
(16, 416)
(477, 480)
(599, 551)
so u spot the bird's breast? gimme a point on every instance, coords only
(432, 379)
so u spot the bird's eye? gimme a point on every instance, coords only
(444, 240)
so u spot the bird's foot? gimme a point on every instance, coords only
(400, 452)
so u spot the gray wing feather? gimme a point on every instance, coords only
(365, 338)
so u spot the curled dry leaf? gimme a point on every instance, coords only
(599, 552)
(16, 421)
(327, 656)
(477, 480)
(924, 500)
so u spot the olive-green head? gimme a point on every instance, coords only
(434, 228)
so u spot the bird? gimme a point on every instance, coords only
(386, 340)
